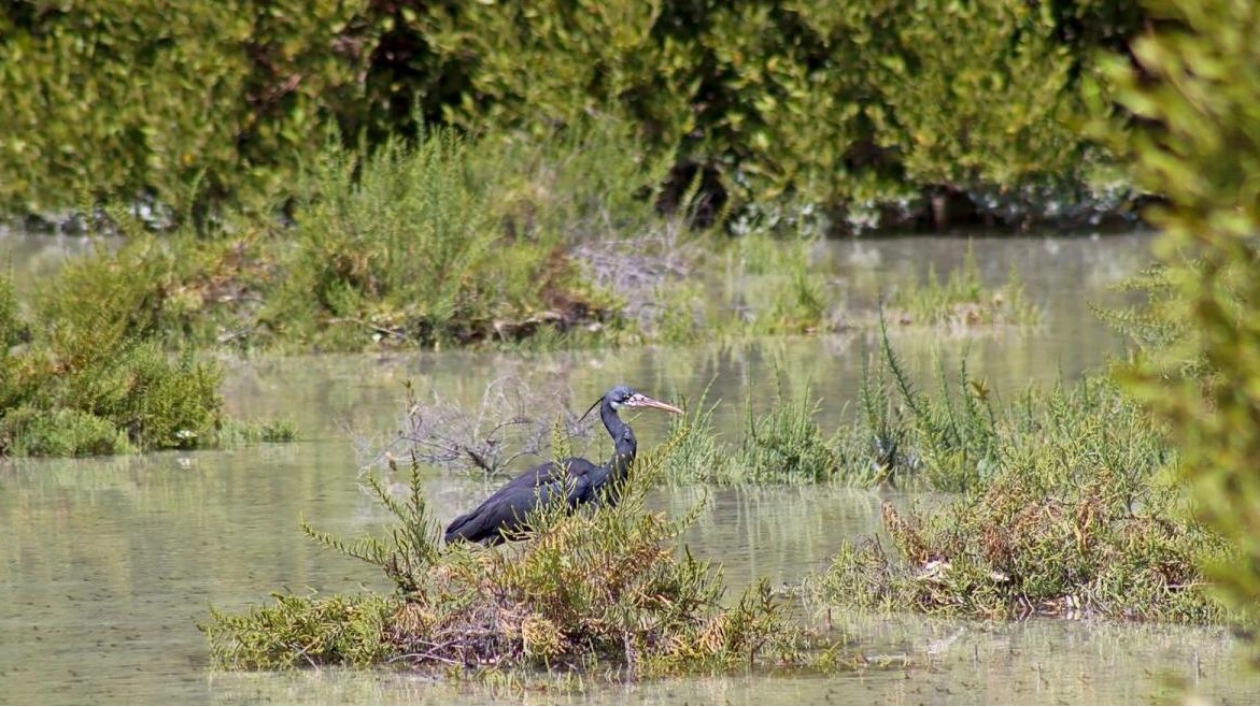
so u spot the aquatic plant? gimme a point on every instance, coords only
(1077, 515)
(305, 631)
(89, 382)
(783, 445)
(609, 588)
(774, 284)
(96, 375)
(236, 432)
(900, 436)
(963, 300)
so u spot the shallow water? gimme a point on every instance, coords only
(110, 563)
(1044, 662)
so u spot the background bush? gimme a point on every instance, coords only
(131, 99)
(839, 112)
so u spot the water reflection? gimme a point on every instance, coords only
(328, 396)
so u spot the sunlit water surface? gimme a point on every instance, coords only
(108, 564)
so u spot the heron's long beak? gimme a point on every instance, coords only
(639, 400)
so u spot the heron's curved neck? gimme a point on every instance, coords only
(624, 442)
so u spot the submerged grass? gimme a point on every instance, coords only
(963, 301)
(607, 589)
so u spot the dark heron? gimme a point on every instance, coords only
(502, 516)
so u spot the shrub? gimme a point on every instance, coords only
(62, 433)
(797, 115)
(305, 631)
(432, 245)
(127, 101)
(1195, 85)
(94, 377)
(1075, 517)
(125, 395)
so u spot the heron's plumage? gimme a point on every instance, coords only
(582, 481)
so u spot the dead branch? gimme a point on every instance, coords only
(512, 421)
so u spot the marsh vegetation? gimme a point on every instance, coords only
(520, 205)
(605, 591)
(1062, 504)
(486, 243)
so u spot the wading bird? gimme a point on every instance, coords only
(502, 516)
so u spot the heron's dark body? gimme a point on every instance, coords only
(502, 515)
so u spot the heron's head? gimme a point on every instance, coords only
(623, 396)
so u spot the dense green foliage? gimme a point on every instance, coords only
(804, 111)
(96, 361)
(1198, 87)
(128, 99)
(607, 589)
(88, 381)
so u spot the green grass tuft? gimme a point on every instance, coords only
(236, 432)
(963, 301)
